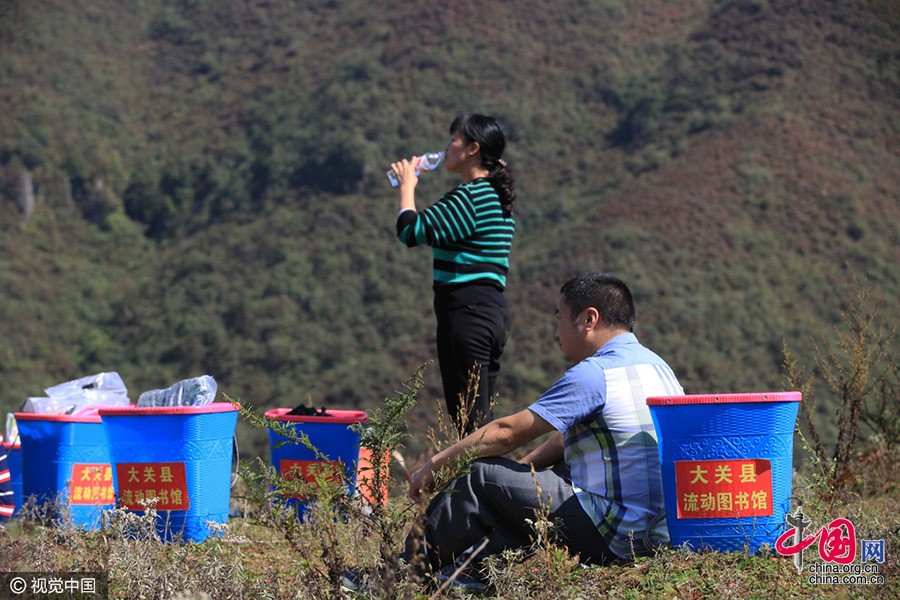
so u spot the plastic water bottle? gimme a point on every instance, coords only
(427, 162)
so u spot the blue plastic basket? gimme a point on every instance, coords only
(330, 435)
(65, 459)
(727, 462)
(181, 456)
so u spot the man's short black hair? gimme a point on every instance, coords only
(607, 293)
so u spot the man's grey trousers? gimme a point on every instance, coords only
(496, 501)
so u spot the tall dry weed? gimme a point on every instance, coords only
(859, 370)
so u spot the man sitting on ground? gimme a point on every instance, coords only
(599, 474)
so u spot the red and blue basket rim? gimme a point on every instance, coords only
(332, 415)
(724, 398)
(88, 417)
(129, 411)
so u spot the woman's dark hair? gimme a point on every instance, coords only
(491, 140)
(607, 293)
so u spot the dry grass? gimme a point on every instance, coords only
(252, 561)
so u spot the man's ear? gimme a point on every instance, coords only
(592, 318)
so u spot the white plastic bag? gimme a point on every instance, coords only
(198, 391)
(73, 397)
(36, 404)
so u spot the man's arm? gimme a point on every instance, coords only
(494, 439)
(547, 454)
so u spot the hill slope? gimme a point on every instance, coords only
(209, 193)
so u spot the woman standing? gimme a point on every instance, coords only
(470, 230)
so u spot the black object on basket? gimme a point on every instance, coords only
(308, 411)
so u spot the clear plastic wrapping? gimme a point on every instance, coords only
(197, 391)
(79, 395)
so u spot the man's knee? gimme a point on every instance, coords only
(493, 472)
(491, 468)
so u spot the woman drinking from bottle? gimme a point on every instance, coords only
(470, 230)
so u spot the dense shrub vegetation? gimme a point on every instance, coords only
(193, 187)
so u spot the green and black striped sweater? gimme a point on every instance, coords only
(469, 235)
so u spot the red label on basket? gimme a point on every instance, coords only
(723, 489)
(91, 484)
(166, 482)
(309, 470)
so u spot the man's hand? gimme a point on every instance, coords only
(421, 480)
(547, 454)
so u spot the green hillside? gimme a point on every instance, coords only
(192, 187)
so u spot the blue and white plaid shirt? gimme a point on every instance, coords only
(600, 407)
